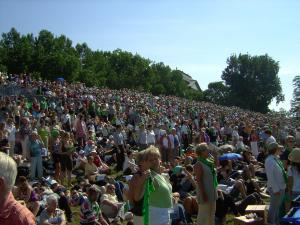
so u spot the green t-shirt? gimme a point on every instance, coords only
(162, 196)
(44, 134)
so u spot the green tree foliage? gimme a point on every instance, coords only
(253, 81)
(295, 103)
(217, 93)
(49, 57)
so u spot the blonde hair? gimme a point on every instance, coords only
(8, 170)
(201, 148)
(152, 150)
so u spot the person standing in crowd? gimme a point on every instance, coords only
(44, 133)
(35, 146)
(80, 130)
(11, 130)
(270, 138)
(175, 144)
(11, 211)
(142, 139)
(52, 214)
(55, 148)
(294, 174)
(159, 199)
(150, 136)
(165, 146)
(67, 149)
(254, 139)
(184, 132)
(137, 188)
(120, 145)
(206, 180)
(277, 179)
(289, 145)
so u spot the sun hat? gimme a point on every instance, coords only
(294, 156)
(273, 145)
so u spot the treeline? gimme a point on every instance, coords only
(48, 57)
(250, 82)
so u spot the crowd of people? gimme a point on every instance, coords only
(122, 156)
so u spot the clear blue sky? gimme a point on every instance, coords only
(194, 36)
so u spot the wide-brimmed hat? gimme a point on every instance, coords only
(294, 156)
(274, 145)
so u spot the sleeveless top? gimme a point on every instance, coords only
(210, 191)
(162, 196)
(137, 209)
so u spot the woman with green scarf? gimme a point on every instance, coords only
(206, 187)
(153, 189)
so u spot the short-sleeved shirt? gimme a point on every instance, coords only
(13, 213)
(59, 214)
(89, 212)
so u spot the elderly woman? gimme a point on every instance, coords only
(51, 214)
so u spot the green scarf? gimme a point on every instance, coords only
(148, 189)
(210, 164)
(279, 163)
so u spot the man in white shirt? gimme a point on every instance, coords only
(150, 136)
(277, 179)
(270, 138)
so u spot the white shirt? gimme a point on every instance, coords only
(274, 174)
(11, 133)
(235, 135)
(270, 140)
(129, 163)
(151, 137)
(293, 172)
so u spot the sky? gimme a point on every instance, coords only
(194, 36)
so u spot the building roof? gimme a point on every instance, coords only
(191, 82)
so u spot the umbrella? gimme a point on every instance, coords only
(61, 79)
(230, 156)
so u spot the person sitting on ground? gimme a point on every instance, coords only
(234, 186)
(102, 167)
(178, 215)
(26, 193)
(110, 205)
(51, 214)
(90, 212)
(91, 170)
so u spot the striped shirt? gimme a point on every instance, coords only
(89, 212)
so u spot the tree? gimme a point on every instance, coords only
(48, 56)
(295, 103)
(253, 81)
(217, 93)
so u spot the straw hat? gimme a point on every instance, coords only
(294, 156)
